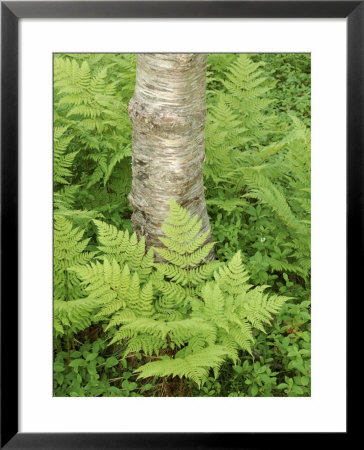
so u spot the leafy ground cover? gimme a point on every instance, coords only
(257, 178)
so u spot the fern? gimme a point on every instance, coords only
(194, 367)
(62, 161)
(232, 277)
(71, 312)
(238, 119)
(205, 320)
(287, 197)
(122, 247)
(185, 245)
(258, 307)
(181, 314)
(178, 307)
(230, 305)
(86, 102)
(185, 250)
(115, 289)
(251, 160)
(276, 178)
(72, 316)
(64, 197)
(69, 250)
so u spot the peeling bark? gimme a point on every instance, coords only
(168, 113)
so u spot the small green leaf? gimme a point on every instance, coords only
(111, 362)
(59, 377)
(254, 390)
(238, 369)
(146, 387)
(57, 367)
(78, 363)
(233, 394)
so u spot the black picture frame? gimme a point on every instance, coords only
(11, 12)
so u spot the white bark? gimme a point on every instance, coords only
(168, 113)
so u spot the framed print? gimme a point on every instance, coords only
(165, 247)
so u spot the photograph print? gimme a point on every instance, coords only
(181, 212)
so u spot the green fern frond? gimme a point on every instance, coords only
(149, 345)
(193, 276)
(124, 249)
(75, 315)
(62, 157)
(194, 367)
(238, 118)
(116, 288)
(121, 318)
(69, 250)
(184, 254)
(258, 307)
(232, 277)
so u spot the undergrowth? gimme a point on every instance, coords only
(126, 325)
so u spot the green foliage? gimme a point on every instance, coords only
(280, 362)
(274, 222)
(195, 366)
(69, 247)
(124, 248)
(89, 370)
(203, 322)
(72, 316)
(127, 324)
(291, 74)
(62, 161)
(237, 117)
(183, 242)
(91, 95)
(178, 278)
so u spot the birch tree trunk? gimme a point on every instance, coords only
(168, 113)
